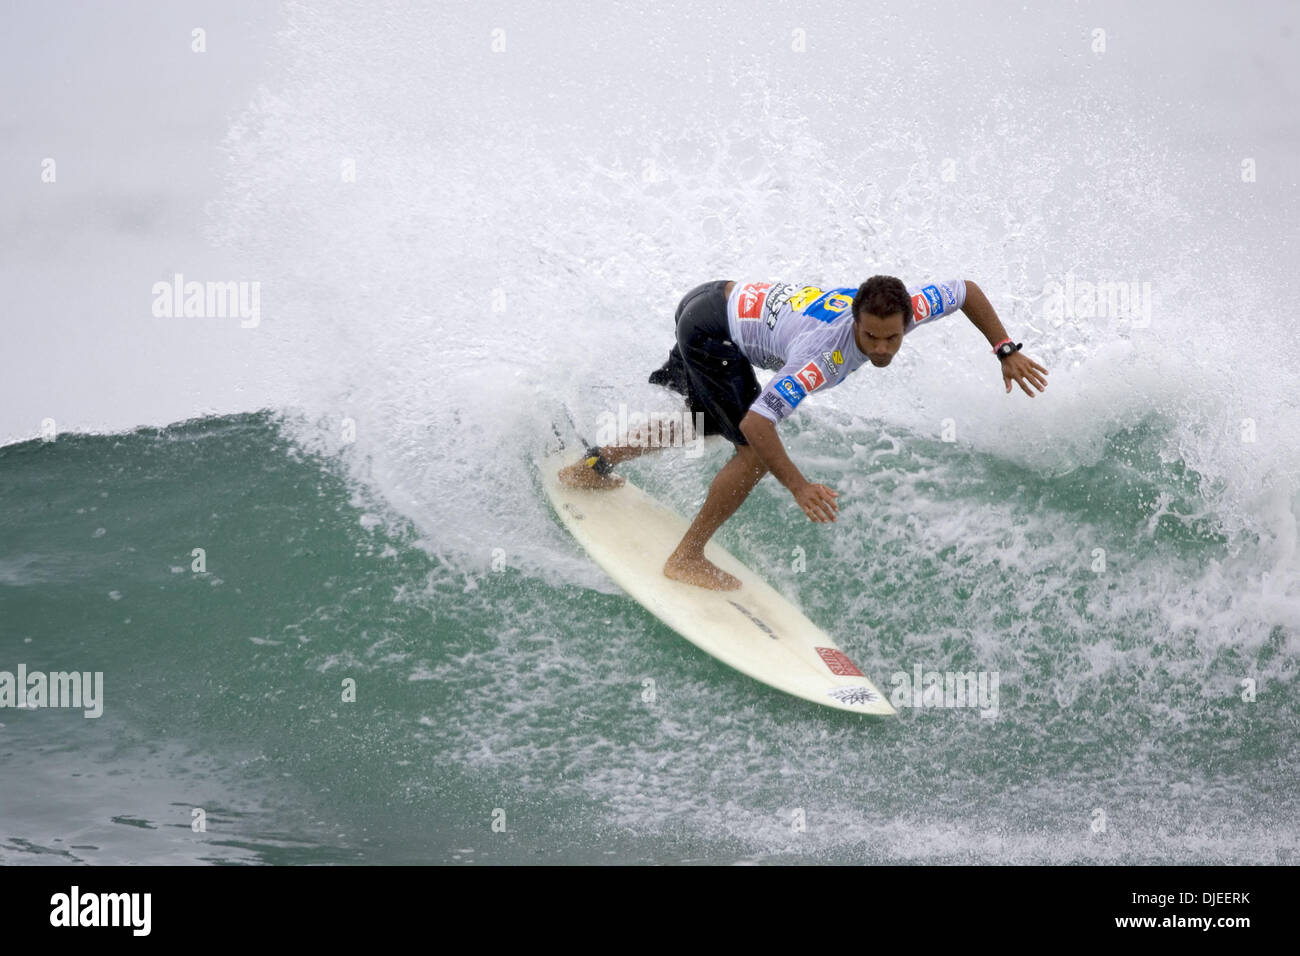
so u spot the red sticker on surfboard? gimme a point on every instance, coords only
(839, 662)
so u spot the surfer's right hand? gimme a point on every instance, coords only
(817, 501)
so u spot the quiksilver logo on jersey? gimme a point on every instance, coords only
(920, 307)
(750, 303)
(811, 377)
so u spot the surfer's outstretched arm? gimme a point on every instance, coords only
(1016, 367)
(817, 501)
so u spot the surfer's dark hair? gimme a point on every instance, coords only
(882, 296)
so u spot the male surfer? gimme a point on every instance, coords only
(814, 338)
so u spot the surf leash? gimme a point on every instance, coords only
(592, 457)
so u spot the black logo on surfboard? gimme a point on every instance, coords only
(745, 611)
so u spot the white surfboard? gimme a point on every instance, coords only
(755, 629)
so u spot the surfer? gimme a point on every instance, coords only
(814, 339)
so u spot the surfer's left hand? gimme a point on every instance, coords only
(1024, 371)
(817, 501)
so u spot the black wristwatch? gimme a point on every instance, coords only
(1007, 348)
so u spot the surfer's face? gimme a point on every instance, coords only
(879, 337)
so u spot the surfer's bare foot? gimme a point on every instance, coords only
(582, 475)
(701, 572)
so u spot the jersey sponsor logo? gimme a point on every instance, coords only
(927, 302)
(830, 305)
(750, 304)
(838, 662)
(833, 361)
(805, 297)
(776, 298)
(811, 377)
(947, 291)
(774, 402)
(790, 390)
(920, 307)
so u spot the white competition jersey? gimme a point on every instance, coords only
(806, 333)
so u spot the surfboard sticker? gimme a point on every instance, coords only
(838, 662)
(854, 695)
(755, 630)
(757, 621)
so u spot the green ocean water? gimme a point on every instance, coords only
(515, 695)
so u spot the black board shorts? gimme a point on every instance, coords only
(706, 366)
